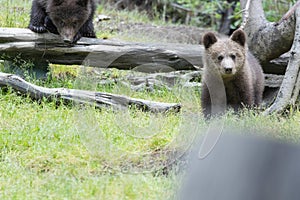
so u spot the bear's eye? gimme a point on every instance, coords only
(62, 23)
(232, 56)
(74, 24)
(220, 58)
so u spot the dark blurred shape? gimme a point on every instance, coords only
(244, 168)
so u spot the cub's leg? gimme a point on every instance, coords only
(205, 101)
(50, 26)
(37, 18)
(87, 30)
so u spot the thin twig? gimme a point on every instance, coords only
(246, 15)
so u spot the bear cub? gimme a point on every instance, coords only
(71, 19)
(230, 60)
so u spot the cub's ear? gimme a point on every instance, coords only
(239, 36)
(82, 3)
(209, 39)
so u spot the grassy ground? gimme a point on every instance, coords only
(54, 151)
(46, 153)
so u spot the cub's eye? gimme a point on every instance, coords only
(220, 58)
(232, 56)
(74, 24)
(62, 23)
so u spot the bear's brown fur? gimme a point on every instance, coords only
(239, 70)
(71, 19)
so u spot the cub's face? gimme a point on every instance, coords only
(68, 16)
(227, 56)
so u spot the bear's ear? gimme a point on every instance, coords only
(239, 36)
(209, 39)
(82, 3)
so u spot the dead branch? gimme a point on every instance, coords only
(97, 99)
(246, 15)
(289, 89)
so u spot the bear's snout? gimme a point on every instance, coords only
(68, 33)
(228, 66)
(228, 70)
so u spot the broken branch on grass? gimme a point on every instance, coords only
(97, 99)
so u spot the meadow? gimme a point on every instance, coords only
(50, 150)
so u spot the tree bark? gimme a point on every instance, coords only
(97, 99)
(267, 40)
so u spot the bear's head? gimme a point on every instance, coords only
(226, 56)
(68, 16)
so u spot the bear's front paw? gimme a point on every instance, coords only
(37, 29)
(50, 26)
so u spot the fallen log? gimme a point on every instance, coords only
(97, 99)
(48, 47)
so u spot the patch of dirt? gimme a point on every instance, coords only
(141, 32)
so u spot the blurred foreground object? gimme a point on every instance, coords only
(242, 168)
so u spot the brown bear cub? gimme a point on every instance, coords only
(71, 19)
(240, 73)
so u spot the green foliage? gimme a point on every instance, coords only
(275, 9)
(210, 11)
(15, 13)
(190, 3)
(207, 13)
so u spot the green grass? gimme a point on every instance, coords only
(74, 152)
(65, 152)
(53, 151)
(15, 13)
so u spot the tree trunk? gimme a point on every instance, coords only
(289, 89)
(267, 40)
